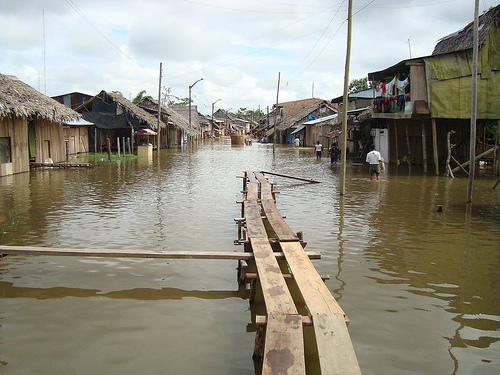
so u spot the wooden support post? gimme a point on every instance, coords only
(129, 149)
(424, 147)
(109, 148)
(408, 145)
(396, 140)
(123, 143)
(449, 172)
(435, 146)
(118, 146)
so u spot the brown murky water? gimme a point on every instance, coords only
(422, 289)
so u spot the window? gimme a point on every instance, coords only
(5, 150)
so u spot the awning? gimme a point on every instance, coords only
(145, 132)
(299, 129)
(79, 122)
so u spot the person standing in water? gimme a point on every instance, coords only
(334, 153)
(319, 149)
(374, 159)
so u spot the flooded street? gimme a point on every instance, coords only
(421, 288)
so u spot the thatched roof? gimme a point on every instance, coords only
(174, 118)
(183, 110)
(140, 116)
(21, 100)
(463, 39)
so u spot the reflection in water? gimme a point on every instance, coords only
(141, 294)
(420, 287)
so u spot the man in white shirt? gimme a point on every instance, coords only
(319, 148)
(374, 158)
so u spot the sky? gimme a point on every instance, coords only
(239, 47)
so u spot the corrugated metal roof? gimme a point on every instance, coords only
(321, 119)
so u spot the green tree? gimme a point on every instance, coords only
(141, 95)
(170, 99)
(359, 84)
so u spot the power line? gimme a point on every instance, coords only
(86, 19)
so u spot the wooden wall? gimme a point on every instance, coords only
(77, 139)
(49, 141)
(17, 129)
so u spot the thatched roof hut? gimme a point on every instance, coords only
(463, 39)
(175, 119)
(108, 110)
(18, 99)
(183, 110)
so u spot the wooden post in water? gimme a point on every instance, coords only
(123, 143)
(472, 150)
(424, 147)
(345, 104)
(435, 146)
(108, 141)
(408, 145)
(449, 172)
(129, 150)
(396, 141)
(277, 109)
(118, 146)
(159, 112)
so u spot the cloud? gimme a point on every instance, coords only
(237, 46)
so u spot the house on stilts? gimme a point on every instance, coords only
(422, 102)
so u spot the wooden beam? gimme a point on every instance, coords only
(435, 146)
(476, 158)
(117, 253)
(293, 177)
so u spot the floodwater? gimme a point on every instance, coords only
(421, 288)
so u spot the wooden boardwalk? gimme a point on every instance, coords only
(280, 344)
(301, 329)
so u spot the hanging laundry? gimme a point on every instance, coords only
(401, 85)
(389, 87)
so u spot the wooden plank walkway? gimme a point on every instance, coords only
(278, 255)
(334, 347)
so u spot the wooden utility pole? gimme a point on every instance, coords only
(159, 111)
(472, 151)
(276, 116)
(346, 101)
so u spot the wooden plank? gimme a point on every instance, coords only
(284, 346)
(252, 187)
(336, 353)
(328, 317)
(120, 253)
(318, 298)
(277, 297)
(265, 186)
(253, 219)
(279, 225)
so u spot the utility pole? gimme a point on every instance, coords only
(276, 117)
(159, 111)
(346, 101)
(472, 151)
(190, 87)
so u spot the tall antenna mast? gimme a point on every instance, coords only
(409, 46)
(44, 69)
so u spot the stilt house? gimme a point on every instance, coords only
(420, 100)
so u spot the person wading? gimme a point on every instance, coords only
(374, 159)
